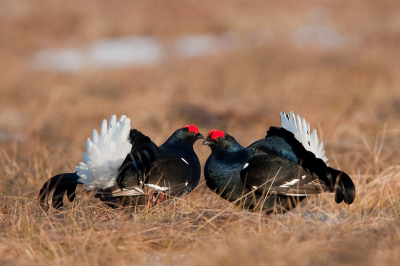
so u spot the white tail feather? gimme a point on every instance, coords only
(105, 153)
(301, 131)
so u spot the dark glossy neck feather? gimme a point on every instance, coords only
(227, 145)
(176, 141)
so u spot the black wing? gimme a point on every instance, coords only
(133, 171)
(138, 162)
(173, 173)
(277, 184)
(169, 175)
(269, 174)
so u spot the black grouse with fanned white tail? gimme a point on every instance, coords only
(274, 173)
(124, 167)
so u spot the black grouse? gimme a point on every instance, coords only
(275, 173)
(124, 167)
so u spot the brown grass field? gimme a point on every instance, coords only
(348, 90)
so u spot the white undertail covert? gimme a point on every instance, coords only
(105, 154)
(303, 134)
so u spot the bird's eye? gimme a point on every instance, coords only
(192, 133)
(219, 138)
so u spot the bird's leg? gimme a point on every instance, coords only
(160, 198)
(149, 195)
(153, 199)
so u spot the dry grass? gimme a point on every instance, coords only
(352, 92)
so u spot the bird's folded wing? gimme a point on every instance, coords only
(269, 174)
(138, 162)
(171, 172)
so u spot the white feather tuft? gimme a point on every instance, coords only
(301, 131)
(157, 187)
(105, 154)
(291, 183)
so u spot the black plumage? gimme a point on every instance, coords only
(172, 169)
(274, 173)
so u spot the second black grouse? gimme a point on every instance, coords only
(274, 173)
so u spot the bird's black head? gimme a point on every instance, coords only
(189, 133)
(220, 141)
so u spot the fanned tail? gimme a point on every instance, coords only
(105, 154)
(345, 189)
(302, 133)
(60, 184)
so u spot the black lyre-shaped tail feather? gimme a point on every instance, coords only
(137, 163)
(345, 190)
(60, 184)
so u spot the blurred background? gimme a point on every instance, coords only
(230, 65)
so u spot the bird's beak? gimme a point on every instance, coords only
(200, 136)
(206, 142)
